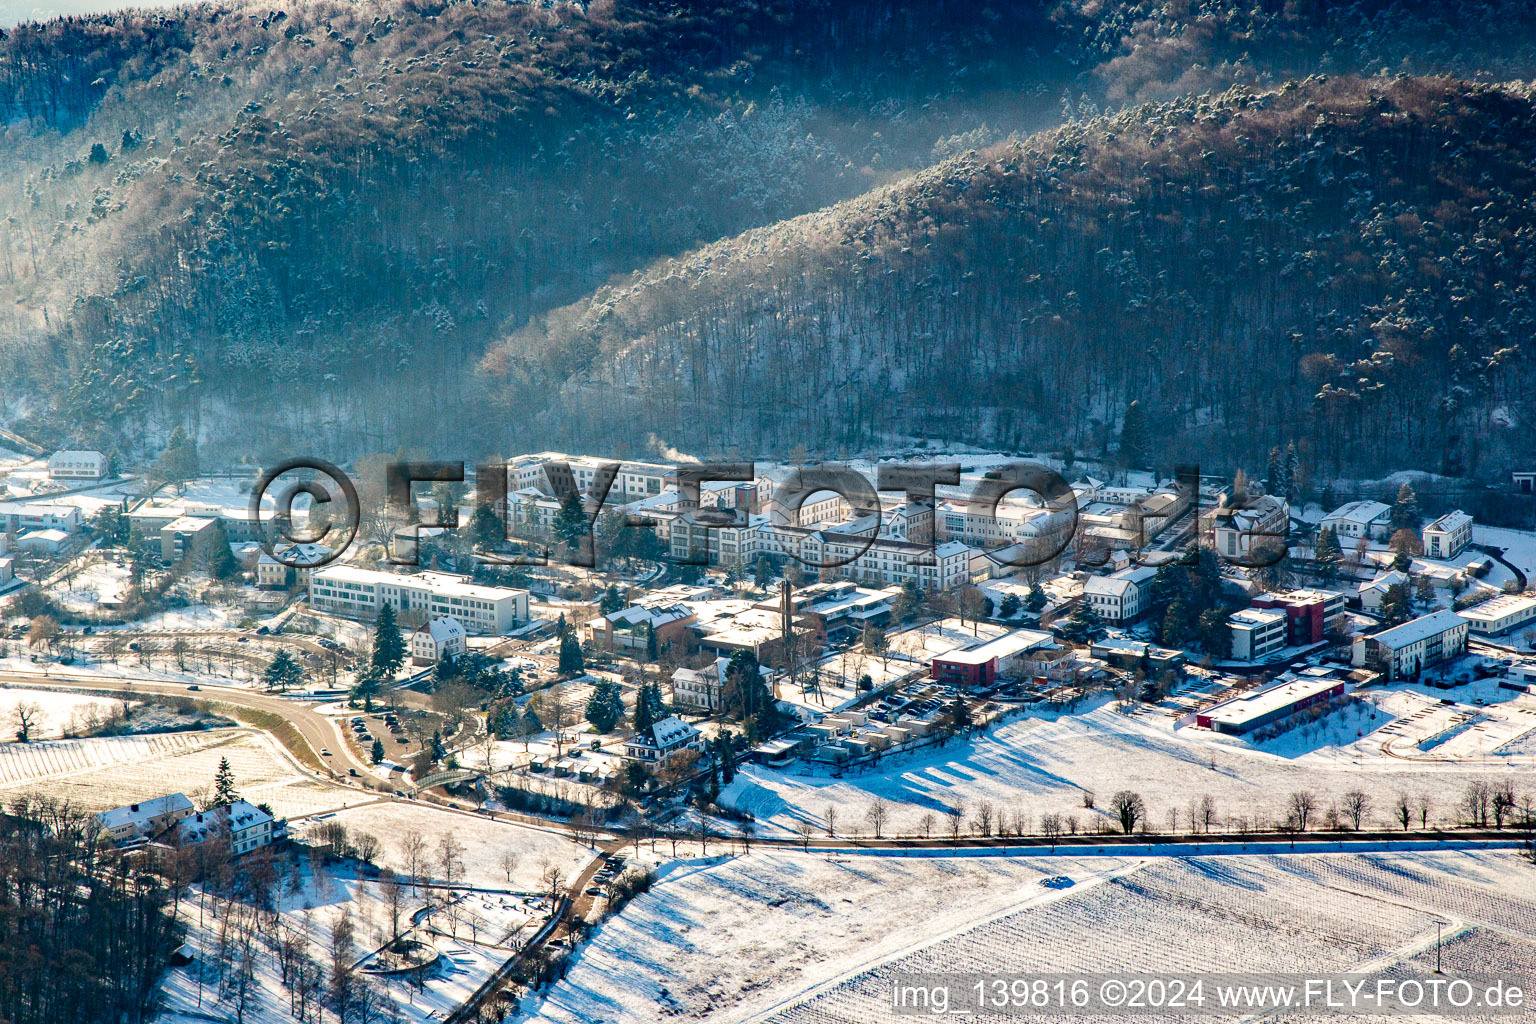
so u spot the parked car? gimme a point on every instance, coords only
(194, 686)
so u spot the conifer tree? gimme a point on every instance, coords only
(224, 792)
(1135, 438)
(388, 644)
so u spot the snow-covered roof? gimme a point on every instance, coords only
(1384, 581)
(297, 555)
(1421, 628)
(237, 817)
(443, 628)
(1361, 513)
(667, 733)
(1111, 586)
(1449, 523)
(141, 814)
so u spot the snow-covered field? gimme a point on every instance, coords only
(98, 583)
(484, 841)
(95, 774)
(790, 937)
(1044, 763)
(56, 711)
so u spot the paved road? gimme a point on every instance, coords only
(316, 731)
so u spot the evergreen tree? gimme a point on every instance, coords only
(1395, 605)
(611, 601)
(571, 662)
(388, 644)
(1274, 474)
(1009, 606)
(506, 721)
(960, 712)
(762, 573)
(605, 708)
(1424, 590)
(439, 750)
(651, 652)
(571, 521)
(645, 715)
(1215, 634)
(1135, 438)
(1292, 471)
(377, 753)
(1036, 600)
(1329, 554)
(221, 560)
(485, 528)
(224, 792)
(282, 672)
(531, 723)
(178, 463)
(1405, 509)
(1084, 625)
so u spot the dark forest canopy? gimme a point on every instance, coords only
(315, 219)
(1347, 262)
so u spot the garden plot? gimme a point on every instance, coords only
(23, 764)
(484, 840)
(1048, 761)
(101, 583)
(58, 712)
(252, 756)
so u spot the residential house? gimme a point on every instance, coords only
(77, 465)
(1236, 531)
(1122, 596)
(701, 689)
(441, 636)
(1373, 592)
(663, 741)
(242, 825)
(298, 561)
(135, 823)
(1448, 535)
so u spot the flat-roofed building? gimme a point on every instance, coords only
(1500, 615)
(1250, 711)
(980, 666)
(359, 593)
(1256, 633)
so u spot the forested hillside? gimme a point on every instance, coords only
(314, 218)
(1346, 262)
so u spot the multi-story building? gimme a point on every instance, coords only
(135, 823)
(700, 689)
(243, 826)
(441, 636)
(1416, 644)
(1309, 614)
(21, 516)
(1448, 535)
(1256, 633)
(1236, 531)
(359, 593)
(1120, 597)
(77, 465)
(273, 573)
(663, 741)
(187, 537)
(1500, 615)
(629, 629)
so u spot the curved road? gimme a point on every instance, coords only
(316, 731)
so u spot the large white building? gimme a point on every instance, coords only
(1448, 535)
(1122, 596)
(1500, 615)
(663, 741)
(1369, 519)
(21, 516)
(359, 593)
(77, 465)
(1416, 644)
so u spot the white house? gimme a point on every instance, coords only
(1416, 644)
(1372, 593)
(248, 827)
(1122, 596)
(1237, 531)
(1446, 536)
(700, 689)
(663, 740)
(77, 465)
(1369, 519)
(298, 562)
(140, 821)
(440, 637)
(42, 542)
